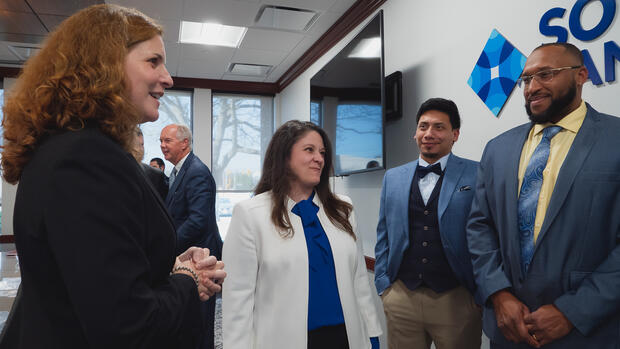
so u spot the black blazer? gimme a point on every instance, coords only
(95, 250)
(157, 178)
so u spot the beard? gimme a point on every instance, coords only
(558, 106)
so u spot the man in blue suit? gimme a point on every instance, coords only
(191, 203)
(423, 269)
(545, 222)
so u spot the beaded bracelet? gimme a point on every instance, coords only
(186, 269)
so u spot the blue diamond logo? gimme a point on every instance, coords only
(496, 72)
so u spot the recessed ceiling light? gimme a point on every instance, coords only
(287, 18)
(249, 69)
(211, 34)
(367, 48)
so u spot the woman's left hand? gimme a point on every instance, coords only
(209, 269)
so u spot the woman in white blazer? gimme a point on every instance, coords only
(283, 290)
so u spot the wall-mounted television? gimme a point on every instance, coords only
(346, 100)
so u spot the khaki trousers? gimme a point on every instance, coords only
(416, 318)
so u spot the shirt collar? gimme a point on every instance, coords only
(571, 122)
(443, 161)
(180, 163)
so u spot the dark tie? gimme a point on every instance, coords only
(173, 175)
(423, 171)
(528, 197)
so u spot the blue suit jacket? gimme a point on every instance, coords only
(191, 203)
(455, 198)
(576, 262)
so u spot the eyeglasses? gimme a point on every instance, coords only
(543, 75)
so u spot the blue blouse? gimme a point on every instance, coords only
(324, 307)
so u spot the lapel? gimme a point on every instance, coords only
(402, 194)
(576, 157)
(454, 170)
(179, 178)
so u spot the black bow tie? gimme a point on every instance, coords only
(423, 171)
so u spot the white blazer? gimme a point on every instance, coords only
(265, 295)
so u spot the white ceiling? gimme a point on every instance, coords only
(28, 21)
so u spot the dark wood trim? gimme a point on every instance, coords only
(360, 10)
(7, 239)
(370, 263)
(266, 88)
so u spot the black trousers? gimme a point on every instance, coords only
(328, 337)
(208, 312)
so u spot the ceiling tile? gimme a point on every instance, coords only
(322, 24)
(318, 5)
(52, 21)
(14, 5)
(229, 76)
(157, 9)
(196, 52)
(203, 69)
(171, 29)
(222, 12)
(20, 22)
(341, 6)
(62, 8)
(265, 39)
(172, 56)
(252, 56)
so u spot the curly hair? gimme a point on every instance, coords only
(277, 175)
(77, 77)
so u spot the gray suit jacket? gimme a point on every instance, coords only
(576, 262)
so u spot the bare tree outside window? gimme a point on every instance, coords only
(242, 128)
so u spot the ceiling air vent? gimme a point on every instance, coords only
(249, 69)
(285, 18)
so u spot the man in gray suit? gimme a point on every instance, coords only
(423, 269)
(545, 222)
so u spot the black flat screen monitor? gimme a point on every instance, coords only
(346, 100)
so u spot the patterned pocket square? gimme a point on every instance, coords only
(464, 188)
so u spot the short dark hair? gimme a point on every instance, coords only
(159, 161)
(443, 105)
(570, 49)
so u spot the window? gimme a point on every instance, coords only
(242, 129)
(315, 112)
(175, 108)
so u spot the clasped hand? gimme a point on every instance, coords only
(209, 270)
(537, 328)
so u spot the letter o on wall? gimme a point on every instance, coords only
(574, 22)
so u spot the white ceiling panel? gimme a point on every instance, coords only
(267, 57)
(317, 5)
(222, 12)
(60, 7)
(341, 6)
(52, 21)
(172, 56)
(158, 9)
(171, 29)
(279, 48)
(14, 5)
(229, 76)
(204, 69)
(266, 39)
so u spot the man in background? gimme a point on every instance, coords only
(191, 203)
(423, 269)
(158, 163)
(544, 229)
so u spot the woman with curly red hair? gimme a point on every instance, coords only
(95, 245)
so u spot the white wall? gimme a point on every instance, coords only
(8, 190)
(436, 45)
